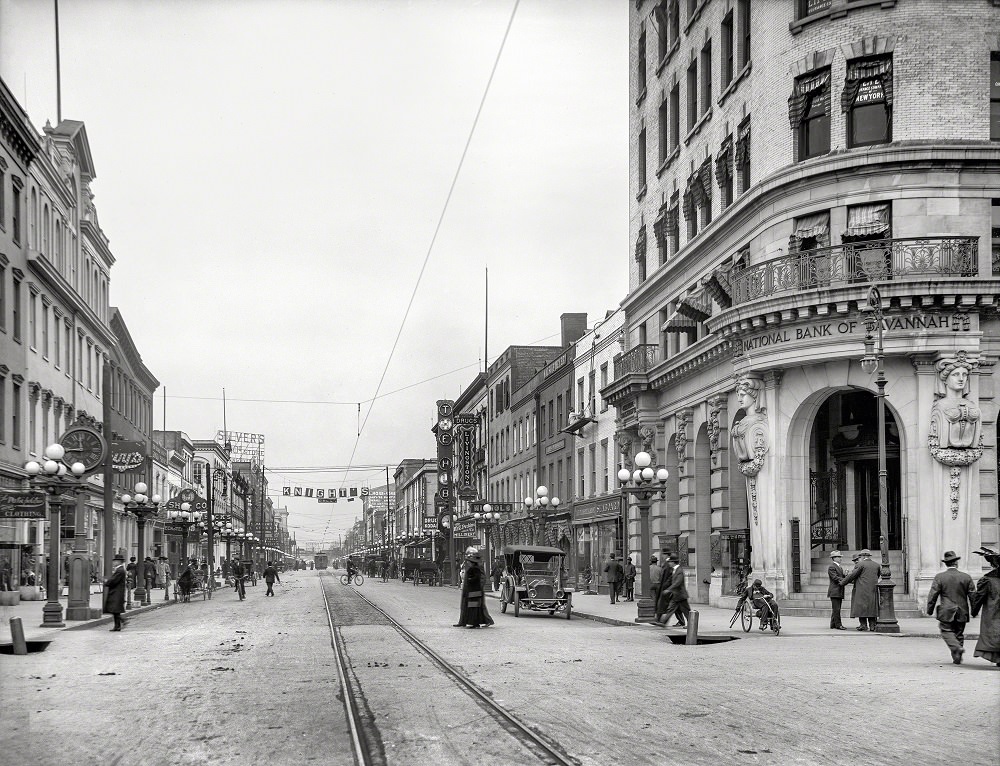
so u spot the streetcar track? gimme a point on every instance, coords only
(363, 726)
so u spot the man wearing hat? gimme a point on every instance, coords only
(864, 595)
(954, 589)
(114, 592)
(836, 590)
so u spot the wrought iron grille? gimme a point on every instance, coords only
(639, 359)
(856, 263)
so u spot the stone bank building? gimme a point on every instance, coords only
(786, 156)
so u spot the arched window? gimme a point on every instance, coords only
(45, 230)
(57, 255)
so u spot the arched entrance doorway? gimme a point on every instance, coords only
(843, 474)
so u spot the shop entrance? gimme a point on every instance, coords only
(843, 474)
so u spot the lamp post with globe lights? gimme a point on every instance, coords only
(540, 505)
(643, 485)
(142, 506)
(489, 519)
(184, 519)
(874, 361)
(52, 476)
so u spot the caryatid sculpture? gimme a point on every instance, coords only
(955, 438)
(749, 435)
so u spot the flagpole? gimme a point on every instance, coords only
(58, 70)
(486, 324)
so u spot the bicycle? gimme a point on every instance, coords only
(385, 574)
(356, 578)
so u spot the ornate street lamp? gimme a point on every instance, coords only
(540, 505)
(643, 485)
(490, 520)
(184, 519)
(142, 507)
(874, 361)
(52, 476)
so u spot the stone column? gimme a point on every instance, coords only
(685, 479)
(718, 439)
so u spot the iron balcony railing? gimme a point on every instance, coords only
(856, 263)
(638, 359)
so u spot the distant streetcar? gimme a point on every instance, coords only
(322, 560)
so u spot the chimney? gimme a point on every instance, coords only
(574, 327)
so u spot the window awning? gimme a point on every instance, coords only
(868, 220)
(718, 286)
(816, 225)
(677, 322)
(694, 306)
(860, 70)
(805, 88)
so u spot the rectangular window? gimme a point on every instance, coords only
(3, 410)
(809, 7)
(741, 157)
(662, 31)
(593, 469)
(3, 298)
(552, 419)
(57, 340)
(3, 200)
(15, 420)
(90, 365)
(32, 414)
(582, 473)
(559, 413)
(605, 465)
(579, 395)
(45, 424)
(69, 348)
(604, 384)
(15, 219)
(867, 99)
(592, 394)
(743, 13)
(675, 117)
(869, 223)
(45, 330)
(809, 110)
(706, 77)
(728, 57)
(641, 64)
(995, 97)
(641, 158)
(692, 94)
(33, 319)
(663, 132)
(15, 300)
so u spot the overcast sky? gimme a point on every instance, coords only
(270, 175)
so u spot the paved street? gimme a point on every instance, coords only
(224, 682)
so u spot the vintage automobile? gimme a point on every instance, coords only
(534, 578)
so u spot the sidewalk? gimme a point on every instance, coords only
(715, 620)
(30, 613)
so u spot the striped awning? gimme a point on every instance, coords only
(868, 220)
(677, 322)
(695, 306)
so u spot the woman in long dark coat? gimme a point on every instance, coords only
(473, 612)
(185, 581)
(986, 602)
(114, 593)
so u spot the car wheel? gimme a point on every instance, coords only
(569, 611)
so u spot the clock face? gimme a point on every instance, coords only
(83, 445)
(445, 424)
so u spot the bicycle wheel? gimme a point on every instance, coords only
(359, 580)
(747, 616)
(344, 580)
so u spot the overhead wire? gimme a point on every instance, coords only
(437, 228)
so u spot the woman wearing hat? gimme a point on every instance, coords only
(473, 612)
(954, 589)
(114, 592)
(987, 599)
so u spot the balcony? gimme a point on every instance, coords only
(857, 263)
(636, 360)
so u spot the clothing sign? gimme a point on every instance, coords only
(18, 504)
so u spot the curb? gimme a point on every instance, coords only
(593, 617)
(110, 618)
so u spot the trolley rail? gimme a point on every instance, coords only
(368, 750)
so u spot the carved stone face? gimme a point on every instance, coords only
(745, 397)
(957, 380)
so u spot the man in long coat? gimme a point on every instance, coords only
(678, 593)
(114, 592)
(986, 603)
(953, 588)
(836, 590)
(613, 574)
(864, 594)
